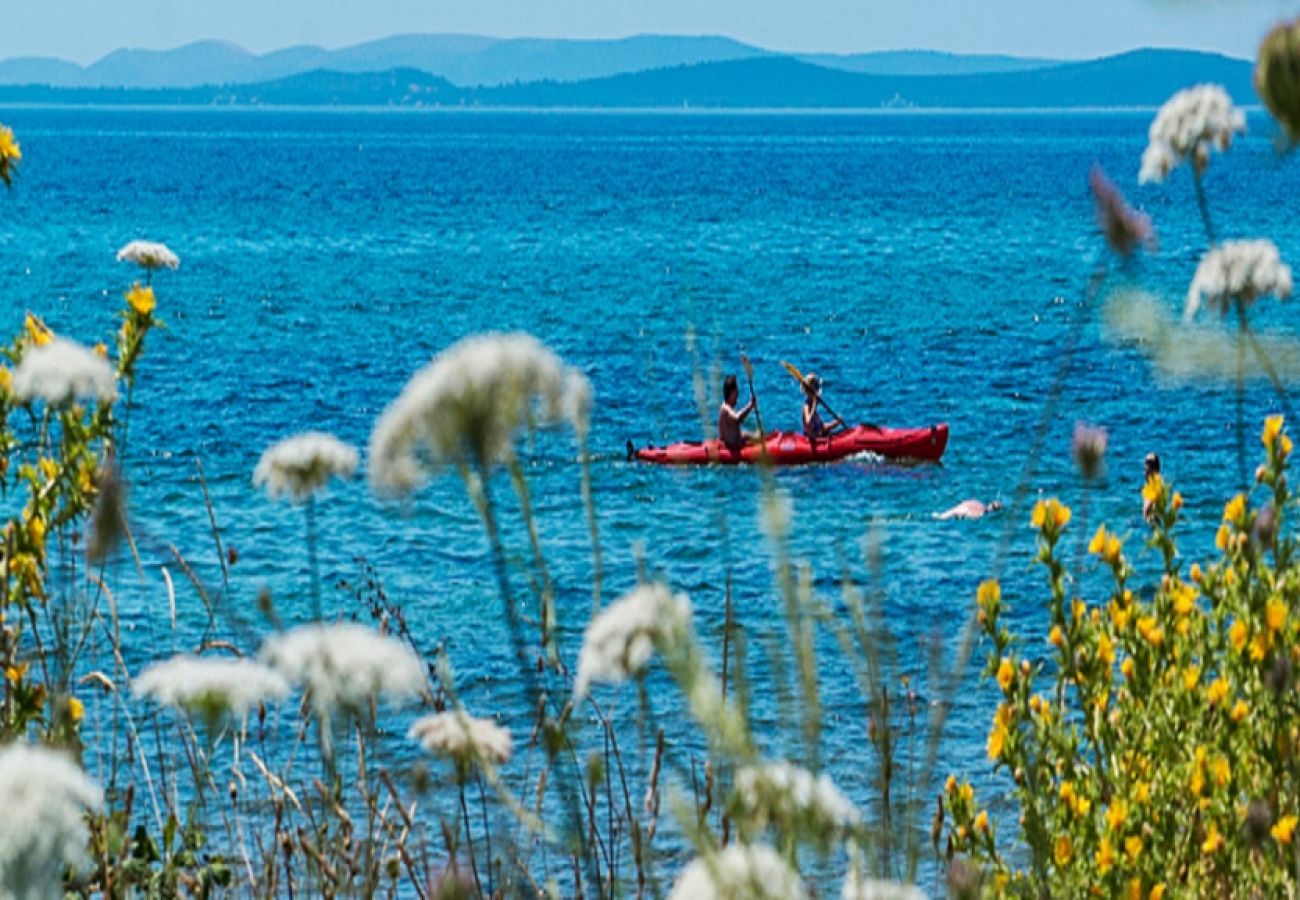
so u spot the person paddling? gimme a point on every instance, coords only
(813, 426)
(730, 418)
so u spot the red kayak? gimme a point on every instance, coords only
(787, 448)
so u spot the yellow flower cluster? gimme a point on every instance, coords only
(1111, 801)
(10, 154)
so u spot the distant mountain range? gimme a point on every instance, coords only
(465, 60)
(1142, 78)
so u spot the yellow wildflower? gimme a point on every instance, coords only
(1078, 608)
(14, 674)
(966, 793)
(989, 593)
(1105, 856)
(1191, 676)
(1184, 597)
(100, 350)
(1055, 638)
(1176, 502)
(1196, 572)
(1154, 489)
(1272, 428)
(1127, 667)
(1157, 892)
(1116, 814)
(1150, 631)
(37, 331)
(1222, 538)
(1135, 888)
(1217, 690)
(141, 299)
(998, 735)
(1119, 615)
(1063, 852)
(1050, 512)
(951, 784)
(982, 822)
(1239, 711)
(1133, 848)
(1006, 674)
(1275, 615)
(1105, 650)
(1286, 445)
(1213, 840)
(6, 381)
(1284, 830)
(1221, 770)
(10, 153)
(76, 709)
(1066, 793)
(1237, 635)
(1141, 791)
(1235, 508)
(1259, 646)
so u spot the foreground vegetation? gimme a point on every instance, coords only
(1149, 750)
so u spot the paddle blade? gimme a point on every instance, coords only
(749, 366)
(793, 370)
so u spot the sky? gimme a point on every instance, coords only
(84, 30)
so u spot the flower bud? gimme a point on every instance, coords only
(1089, 448)
(1277, 76)
(1266, 525)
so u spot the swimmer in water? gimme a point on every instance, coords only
(969, 509)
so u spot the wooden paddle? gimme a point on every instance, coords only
(749, 374)
(798, 376)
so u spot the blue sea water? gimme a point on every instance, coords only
(929, 267)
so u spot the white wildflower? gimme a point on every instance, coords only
(149, 255)
(794, 800)
(44, 795)
(62, 371)
(211, 687)
(299, 466)
(463, 738)
(620, 640)
(345, 665)
(1190, 123)
(1238, 272)
(739, 872)
(467, 406)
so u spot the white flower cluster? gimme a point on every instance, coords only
(619, 641)
(44, 795)
(299, 466)
(149, 255)
(463, 738)
(62, 371)
(1190, 123)
(1238, 272)
(345, 665)
(792, 797)
(739, 872)
(211, 686)
(468, 404)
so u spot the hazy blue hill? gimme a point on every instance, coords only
(464, 59)
(528, 59)
(924, 62)
(205, 62)
(1140, 78)
(39, 70)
